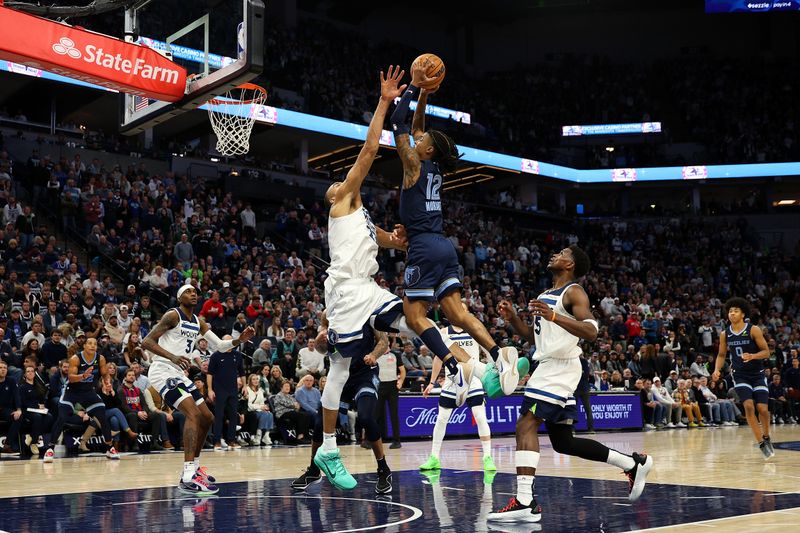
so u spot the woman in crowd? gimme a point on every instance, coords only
(264, 380)
(32, 401)
(288, 411)
(256, 404)
(115, 411)
(275, 380)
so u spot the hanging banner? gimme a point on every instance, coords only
(89, 57)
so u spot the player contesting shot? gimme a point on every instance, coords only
(356, 304)
(562, 318)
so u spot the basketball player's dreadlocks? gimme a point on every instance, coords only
(447, 155)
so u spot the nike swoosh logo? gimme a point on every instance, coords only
(460, 380)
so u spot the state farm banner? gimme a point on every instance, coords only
(610, 410)
(89, 57)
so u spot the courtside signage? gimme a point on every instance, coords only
(89, 57)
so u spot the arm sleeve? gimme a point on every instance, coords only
(217, 344)
(400, 115)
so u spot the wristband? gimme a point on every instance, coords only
(553, 318)
(400, 114)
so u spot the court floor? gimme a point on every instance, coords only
(709, 479)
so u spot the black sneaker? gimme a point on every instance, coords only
(766, 448)
(384, 485)
(516, 512)
(309, 477)
(637, 476)
(395, 444)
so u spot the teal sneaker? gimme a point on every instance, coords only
(331, 464)
(488, 464)
(431, 464)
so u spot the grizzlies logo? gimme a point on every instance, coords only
(411, 276)
(333, 337)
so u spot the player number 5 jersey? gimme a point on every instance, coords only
(180, 339)
(553, 341)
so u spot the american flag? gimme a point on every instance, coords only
(140, 103)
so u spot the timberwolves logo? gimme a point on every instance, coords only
(333, 337)
(173, 383)
(411, 276)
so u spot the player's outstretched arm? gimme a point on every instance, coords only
(400, 128)
(218, 345)
(506, 310)
(390, 89)
(418, 123)
(150, 343)
(721, 356)
(583, 325)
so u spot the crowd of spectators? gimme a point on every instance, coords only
(657, 285)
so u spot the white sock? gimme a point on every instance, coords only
(439, 430)
(625, 462)
(525, 489)
(196, 463)
(479, 413)
(189, 468)
(329, 442)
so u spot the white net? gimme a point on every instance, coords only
(232, 117)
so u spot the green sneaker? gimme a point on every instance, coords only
(488, 464)
(331, 464)
(431, 464)
(488, 476)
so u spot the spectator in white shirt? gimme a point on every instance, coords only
(311, 361)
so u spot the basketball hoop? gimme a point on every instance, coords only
(232, 117)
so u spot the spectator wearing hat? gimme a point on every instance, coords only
(77, 345)
(115, 332)
(124, 319)
(16, 329)
(671, 383)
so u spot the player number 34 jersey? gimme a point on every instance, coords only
(180, 339)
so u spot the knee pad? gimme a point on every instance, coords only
(366, 416)
(337, 377)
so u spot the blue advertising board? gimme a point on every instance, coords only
(418, 415)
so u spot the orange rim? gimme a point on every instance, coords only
(244, 86)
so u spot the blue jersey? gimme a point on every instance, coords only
(421, 205)
(742, 343)
(86, 384)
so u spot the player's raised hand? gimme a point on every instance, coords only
(390, 83)
(418, 76)
(247, 334)
(506, 310)
(539, 308)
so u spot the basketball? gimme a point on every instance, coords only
(434, 68)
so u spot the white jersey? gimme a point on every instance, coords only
(553, 341)
(180, 339)
(467, 343)
(353, 246)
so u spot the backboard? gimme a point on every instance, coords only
(219, 42)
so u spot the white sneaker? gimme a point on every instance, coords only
(223, 445)
(680, 425)
(670, 425)
(507, 369)
(266, 440)
(461, 379)
(112, 453)
(49, 456)
(649, 427)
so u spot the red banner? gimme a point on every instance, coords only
(89, 57)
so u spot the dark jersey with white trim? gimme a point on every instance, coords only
(86, 384)
(421, 204)
(742, 343)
